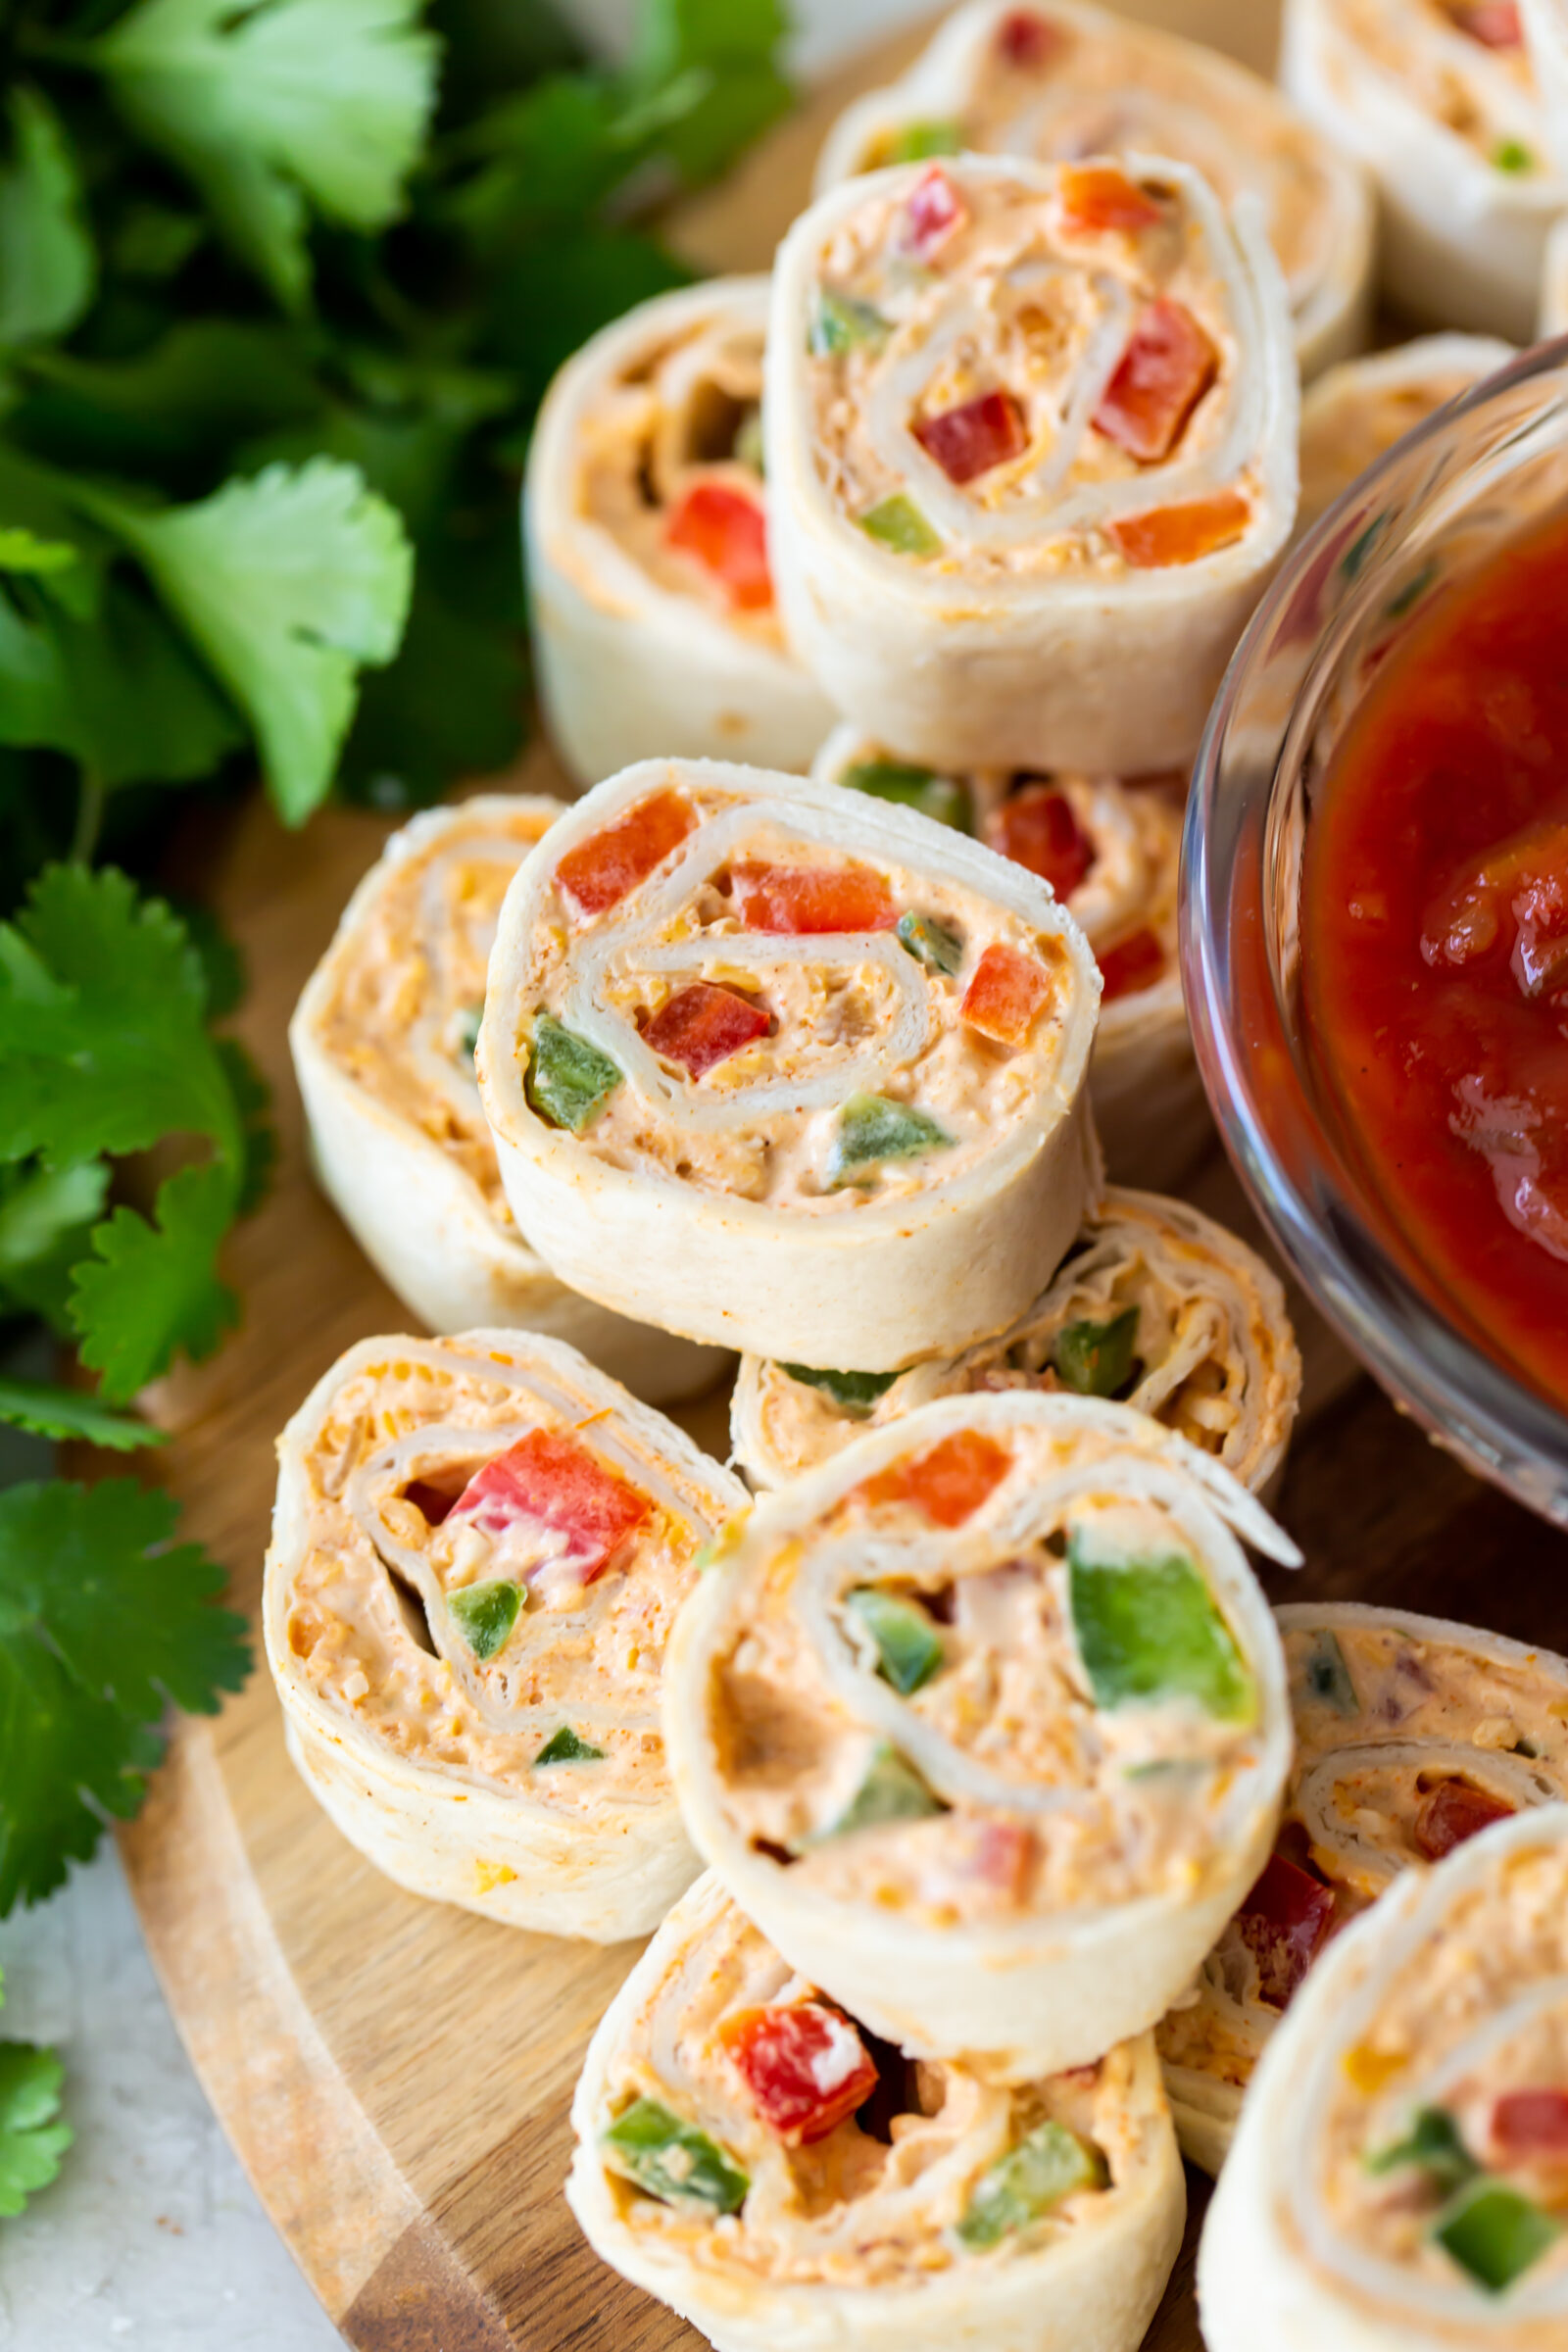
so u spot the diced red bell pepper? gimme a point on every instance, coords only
(1037, 828)
(949, 1482)
(1096, 197)
(972, 439)
(1000, 1855)
(1026, 40)
(1167, 366)
(1494, 23)
(1455, 1811)
(933, 212)
(1181, 534)
(1283, 1923)
(551, 1506)
(1134, 963)
(1531, 2124)
(797, 900)
(703, 1025)
(1005, 994)
(727, 533)
(805, 2066)
(602, 869)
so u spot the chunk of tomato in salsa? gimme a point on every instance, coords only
(1454, 1811)
(1283, 1924)
(949, 1482)
(804, 2065)
(971, 440)
(801, 899)
(1038, 829)
(1167, 366)
(727, 533)
(1005, 994)
(703, 1025)
(597, 873)
(548, 1497)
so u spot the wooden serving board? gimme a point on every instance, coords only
(395, 2075)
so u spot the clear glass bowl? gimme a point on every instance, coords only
(1443, 500)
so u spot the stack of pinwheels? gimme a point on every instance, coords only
(1021, 1817)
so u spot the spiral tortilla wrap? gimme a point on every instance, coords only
(1035, 593)
(640, 647)
(382, 1040)
(854, 1165)
(1092, 82)
(896, 1736)
(1388, 1707)
(1354, 414)
(1151, 1111)
(1452, 133)
(1376, 2196)
(882, 2263)
(470, 1674)
(1212, 1356)
(1555, 284)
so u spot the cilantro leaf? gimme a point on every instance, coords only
(253, 1099)
(708, 68)
(101, 1025)
(45, 1217)
(561, 289)
(277, 105)
(65, 1413)
(151, 1287)
(451, 704)
(101, 1619)
(287, 582)
(32, 2140)
(47, 263)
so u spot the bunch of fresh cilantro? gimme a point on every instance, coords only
(281, 283)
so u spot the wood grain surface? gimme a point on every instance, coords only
(395, 2075)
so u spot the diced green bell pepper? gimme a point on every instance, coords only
(916, 142)
(1494, 2233)
(853, 1393)
(672, 2160)
(565, 1747)
(898, 522)
(1097, 1358)
(891, 1790)
(1327, 1677)
(1149, 1630)
(930, 942)
(468, 1031)
(569, 1081)
(1029, 2183)
(748, 443)
(872, 1129)
(944, 797)
(839, 321)
(908, 1646)
(1433, 2143)
(1513, 155)
(485, 1614)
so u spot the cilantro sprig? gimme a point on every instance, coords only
(32, 2138)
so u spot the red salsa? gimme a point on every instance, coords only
(1435, 939)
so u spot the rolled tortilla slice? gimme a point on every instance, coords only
(752, 2158)
(1396, 2183)
(478, 1547)
(1412, 1734)
(985, 1723)
(776, 1065)
(382, 1040)
(1111, 852)
(1031, 451)
(1157, 1306)
(1354, 414)
(1545, 31)
(645, 514)
(1065, 80)
(1438, 100)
